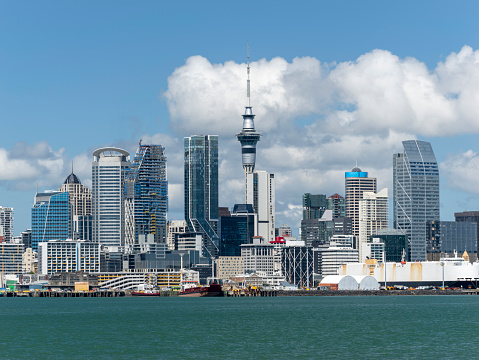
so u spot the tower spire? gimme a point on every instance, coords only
(248, 93)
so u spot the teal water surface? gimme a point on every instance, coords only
(352, 327)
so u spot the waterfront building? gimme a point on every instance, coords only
(416, 193)
(228, 266)
(372, 250)
(109, 168)
(396, 244)
(146, 195)
(327, 260)
(314, 206)
(337, 204)
(258, 257)
(297, 265)
(373, 216)
(201, 189)
(6, 224)
(11, 261)
(237, 229)
(260, 192)
(174, 228)
(51, 217)
(80, 198)
(356, 183)
(68, 256)
(470, 216)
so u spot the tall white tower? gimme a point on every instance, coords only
(108, 180)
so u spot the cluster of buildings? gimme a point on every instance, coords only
(119, 234)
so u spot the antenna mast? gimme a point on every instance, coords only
(248, 86)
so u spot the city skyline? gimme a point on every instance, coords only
(307, 91)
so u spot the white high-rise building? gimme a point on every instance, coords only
(108, 180)
(260, 192)
(373, 216)
(6, 224)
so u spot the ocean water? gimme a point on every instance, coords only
(355, 327)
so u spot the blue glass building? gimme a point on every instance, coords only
(146, 194)
(201, 189)
(416, 193)
(51, 217)
(237, 229)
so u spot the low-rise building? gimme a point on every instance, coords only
(229, 266)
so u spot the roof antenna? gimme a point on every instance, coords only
(248, 86)
(72, 166)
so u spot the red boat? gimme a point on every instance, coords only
(199, 291)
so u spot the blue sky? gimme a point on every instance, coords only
(80, 75)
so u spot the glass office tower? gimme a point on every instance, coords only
(51, 217)
(201, 189)
(146, 194)
(416, 193)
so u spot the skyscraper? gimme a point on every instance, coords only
(51, 217)
(201, 189)
(314, 206)
(108, 179)
(260, 192)
(146, 200)
(373, 216)
(416, 193)
(357, 182)
(6, 224)
(80, 200)
(248, 137)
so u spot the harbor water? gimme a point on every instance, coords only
(349, 327)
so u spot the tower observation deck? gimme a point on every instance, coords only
(248, 137)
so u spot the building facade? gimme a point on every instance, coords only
(51, 217)
(11, 259)
(260, 192)
(356, 183)
(201, 189)
(146, 195)
(237, 229)
(416, 193)
(314, 206)
(373, 216)
(109, 168)
(68, 256)
(469, 216)
(396, 244)
(6, 224)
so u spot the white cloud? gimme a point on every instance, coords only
(462, 171)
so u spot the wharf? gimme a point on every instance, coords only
(250, 292)
(69, 294)
(374, 292)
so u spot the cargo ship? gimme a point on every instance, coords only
(200, 291)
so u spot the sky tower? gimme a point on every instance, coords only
(248, 137)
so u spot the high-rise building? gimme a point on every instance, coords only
(174, 228)
(11, 260)
(416, 193)
(201, 189)
(260, 192)
(470, 216)
(316, 232)
(447, 237)
(357, 182)
(314, 206)
(6, 224)
(395, 244)
(338, 204)
(373, 216)
(248, 137)
(109, 168)
(80, 200)
(146, 195)
(51, 217)
(237, 229)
